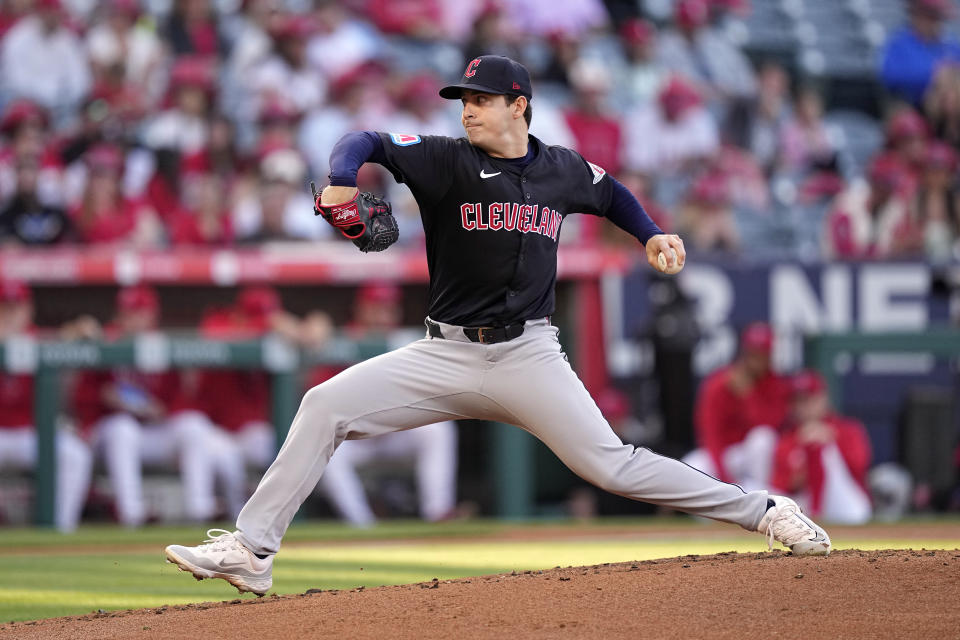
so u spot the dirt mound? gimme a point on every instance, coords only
(851, 594)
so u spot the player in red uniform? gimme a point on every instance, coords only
(822, 457)
(135, 418)
(18, 438)
(738, 411)
(238, 401)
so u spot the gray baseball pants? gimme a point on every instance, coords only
(526, 381)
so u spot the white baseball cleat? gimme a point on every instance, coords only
(785, 523)
(223, 556)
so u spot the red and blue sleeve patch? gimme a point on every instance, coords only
(404, 139)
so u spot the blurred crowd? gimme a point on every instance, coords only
(159, 123)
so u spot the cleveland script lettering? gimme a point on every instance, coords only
(511, 216)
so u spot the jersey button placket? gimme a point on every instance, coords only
(512, 293)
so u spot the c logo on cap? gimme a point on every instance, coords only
(471, 68)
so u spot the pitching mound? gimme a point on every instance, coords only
(851, 594)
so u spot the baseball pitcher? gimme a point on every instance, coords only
(492, 204)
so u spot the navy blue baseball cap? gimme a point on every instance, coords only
(492, 74)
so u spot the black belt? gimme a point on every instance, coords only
(483, 335)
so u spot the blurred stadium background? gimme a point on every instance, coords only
(155, 218)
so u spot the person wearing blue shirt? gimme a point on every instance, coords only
(913, 53)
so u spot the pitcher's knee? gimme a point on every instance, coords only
(319, 410)
(315, 399)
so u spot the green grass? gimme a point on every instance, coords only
(92, 536)
(45, 574)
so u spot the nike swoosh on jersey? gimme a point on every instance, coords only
(485, 175)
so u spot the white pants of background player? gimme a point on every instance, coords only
(844, 501)
(254, 445)
(185, 440)
(747, 463)
(434, 450)
(18, 450)
(526, 381)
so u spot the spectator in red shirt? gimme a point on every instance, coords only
(420, 19)
(822, 457)
(598, 135)
(18, 437)
(907, 137)
(597, 132)
(135, 418)
(205, 218)
(738, 411)
(874, 220)
(105, 216)
(192, 29)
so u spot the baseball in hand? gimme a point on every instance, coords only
(662, 263)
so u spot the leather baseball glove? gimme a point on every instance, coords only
(366, 220)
